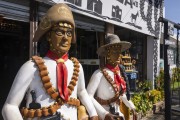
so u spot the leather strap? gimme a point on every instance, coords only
(107, 102)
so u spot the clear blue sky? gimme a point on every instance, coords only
(172, 10)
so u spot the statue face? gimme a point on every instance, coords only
(113, 56)
(60, 38)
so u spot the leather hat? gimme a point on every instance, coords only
(57, 13)
(112, 40)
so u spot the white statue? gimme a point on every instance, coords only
(107, 85)
(53, 85)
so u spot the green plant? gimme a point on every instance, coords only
(141, 102)
(145, 100)
(175, 74)
(144, 85)
(175, 85)
(175, 79)
(160, 81)
(154, 96)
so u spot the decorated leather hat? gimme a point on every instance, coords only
(112, 40)
(57, 13)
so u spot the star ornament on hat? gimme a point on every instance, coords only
(113, 40)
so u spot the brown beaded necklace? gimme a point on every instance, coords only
(114, 86)
(50, 110)
(46, 79)
(110, 80)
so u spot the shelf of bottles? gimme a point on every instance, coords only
(128, 63)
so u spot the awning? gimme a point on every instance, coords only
(16, 10)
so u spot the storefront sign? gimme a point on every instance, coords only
(138, 15)
(170, 29)
(171, 56)
(170, 42)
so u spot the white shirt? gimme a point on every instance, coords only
(103, 89)
(28, 79)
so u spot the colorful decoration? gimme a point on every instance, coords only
(128, 63)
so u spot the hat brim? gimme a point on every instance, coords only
(124, 46)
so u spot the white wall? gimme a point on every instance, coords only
(150, 58)
(150, 70)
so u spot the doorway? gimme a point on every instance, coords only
(87, 44)
(14, 51)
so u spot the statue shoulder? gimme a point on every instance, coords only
(25, 74)
(29, 66)
(97, 73)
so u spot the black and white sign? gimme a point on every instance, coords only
(169, 42)
(170, 56)
(170, 29)
(138, 15)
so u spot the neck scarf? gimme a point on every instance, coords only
(118, 80)
(61, 73)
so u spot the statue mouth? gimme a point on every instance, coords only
(65, 45)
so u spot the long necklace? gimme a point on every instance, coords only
(114, 86)
(50, 110)
(46, 79)
(110, 80)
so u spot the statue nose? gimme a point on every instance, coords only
(65, 36)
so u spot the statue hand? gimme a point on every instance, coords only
(134, 114)
(110, 116)
(85, 118)
(94, 118)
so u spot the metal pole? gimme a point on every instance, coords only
(167, 88)
(177, 59)
(33, 25)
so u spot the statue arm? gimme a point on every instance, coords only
(83, 95)
(127, 102)
(19, 87)
(91, 89)
(126, 97)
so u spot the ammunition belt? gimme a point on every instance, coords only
(46, 111)
(107, 102)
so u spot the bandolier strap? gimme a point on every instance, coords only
(107, 102)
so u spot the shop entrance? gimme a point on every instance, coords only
(14, 51)
(137, 52)
(87, 44)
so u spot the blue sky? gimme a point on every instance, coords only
(172, 10)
